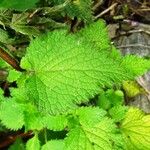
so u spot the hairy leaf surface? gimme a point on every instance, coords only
(63, 71)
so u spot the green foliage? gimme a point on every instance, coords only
(33, 143)
(19, 24)
(67, 70)
(55, 123)
(95, 131)
(110, 98)
(11, 114)
(17, 4)
(62, 72)
(77, 8)
(54, 145)
(4, 37)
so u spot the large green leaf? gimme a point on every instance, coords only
(64, 70)
(136, 130)
(18, 4)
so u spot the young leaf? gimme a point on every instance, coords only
(4, 37)
(11, 114)
(118, 112)
(33, 144)
(135, 65)
(54, 145)
(55, 123)
(13, 75)
(136, 130)
(95, 114)
(33, 121)
(97, 34)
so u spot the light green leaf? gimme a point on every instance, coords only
(54, 145)
(18, 4)
(33, 121)
(136, 130)
(135, 65)
(118, 112)
(97, 137)
(13, 75)
(33, 144)
(11, 114)
(97, 34)
(90, 129)
(89, 116)
(55, 123)
(61, 75)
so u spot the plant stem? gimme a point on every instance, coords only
(10, 60)
(45, 135)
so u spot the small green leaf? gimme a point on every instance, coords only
(13, 75)
(135, 129)
(33, 121)
(95, 114)
(103, 101)
(97, 34)
(54, 145)
(19, 24)
(55, 123)
(11, 114)
(33, 144)
(118, 112)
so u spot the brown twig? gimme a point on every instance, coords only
(10, 139)
(106, 10)
(10, 60)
